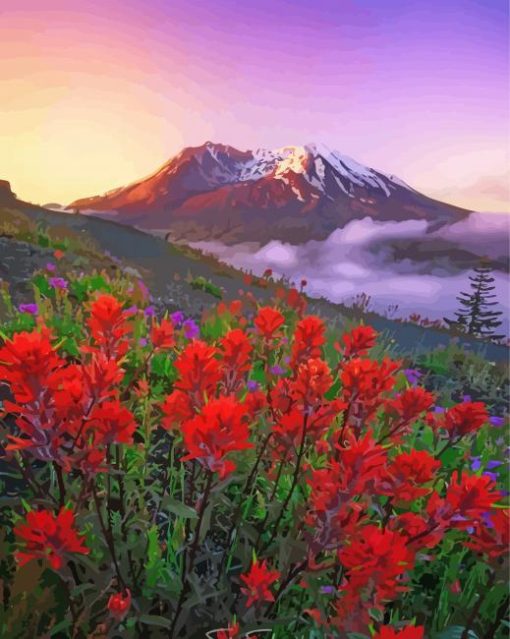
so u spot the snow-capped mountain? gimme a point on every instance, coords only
(294, 193)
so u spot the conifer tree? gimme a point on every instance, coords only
(476, 315)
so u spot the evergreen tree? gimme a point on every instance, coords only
(476, 315)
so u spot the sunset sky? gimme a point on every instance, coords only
(97, 93)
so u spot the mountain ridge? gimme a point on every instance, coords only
(292, 192)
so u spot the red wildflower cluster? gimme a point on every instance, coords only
(309, 337)
(405, 477)
(334, 469)
(68, 413)
(463, 419)
(359, 341)
(258, 581)
(365, 385)
(49, 536)
(162, 334)
(376, 561)
(109, 327)
(268, 321)
(219, 429)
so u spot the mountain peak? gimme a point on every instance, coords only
(308, 190)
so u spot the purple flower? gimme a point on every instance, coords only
(493, 463)
(144, 290)
(252, 385)
(143, 341)
(50, 267)
(412, 376)
(439, 409)
(177, 318)
(277, 370)
(493, 476)
(58, 283)
(495, 421)
(132, 310)
(33, 309)
(150, 311)
(327, 590)
(466, 398)
(487, 520)
(476, 463)
(191, 329)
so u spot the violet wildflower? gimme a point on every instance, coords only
(412, 375)
(177, 318)
(496, 421)
(191, 329)
(439, 409)
(466, 398)
(50, 267)
(492, 476)
(143, 341)
(493, 463)
(32, 309)
(132, 310)
(327, 590)
(476, 463)
(252, 385)
(277, 370)
(150, 311)
(58, 283)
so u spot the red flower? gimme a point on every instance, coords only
(47, 536)
(308, 340)
(236, 349)
(365, 382)
(218, 430)
(26, 362)
(119, 604)
(313, 381)
(268, 321)
(492, 533)
(419, 532)
(410, 404)
(359, 341)
(199, 370)
(258, 581)
(162, 334)
(108, 326)
(58, 254)
(409, 632)
(112, 423)
(230, 632)
(377, 559)
(470, 496)
(465, 418)
(177, 408)
(406, 475)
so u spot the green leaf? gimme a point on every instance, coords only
(155, 620)
(455, 632)
(178, 508)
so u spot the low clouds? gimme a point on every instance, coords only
(361, 258)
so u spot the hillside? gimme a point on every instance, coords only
(168, 270)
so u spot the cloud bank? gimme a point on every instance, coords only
(360, 258)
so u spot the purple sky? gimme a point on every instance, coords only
(97, 94)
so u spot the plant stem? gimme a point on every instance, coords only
(293, 485)
(61, 486)
(187, 570)
(107, 537)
